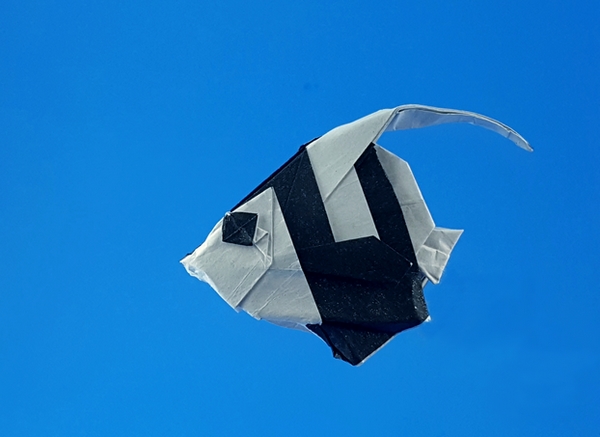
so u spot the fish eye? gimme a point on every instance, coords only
(239, 228)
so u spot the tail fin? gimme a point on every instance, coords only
(435, 252)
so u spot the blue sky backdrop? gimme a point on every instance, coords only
(129, 128)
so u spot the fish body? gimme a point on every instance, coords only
(338, 241)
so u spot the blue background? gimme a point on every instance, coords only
(129, 128)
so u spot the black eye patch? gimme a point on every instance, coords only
(239, 228)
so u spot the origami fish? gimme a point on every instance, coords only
(338, 241)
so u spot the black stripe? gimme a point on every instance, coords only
(300, 201)
(383, 204)
(268, 183)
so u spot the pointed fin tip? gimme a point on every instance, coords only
(527, 147)
(519, 141)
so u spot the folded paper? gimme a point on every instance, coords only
(339, 240)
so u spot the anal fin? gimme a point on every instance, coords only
(351, 344)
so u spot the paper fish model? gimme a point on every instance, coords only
(339, 240)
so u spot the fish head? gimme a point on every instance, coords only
(238, 250)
